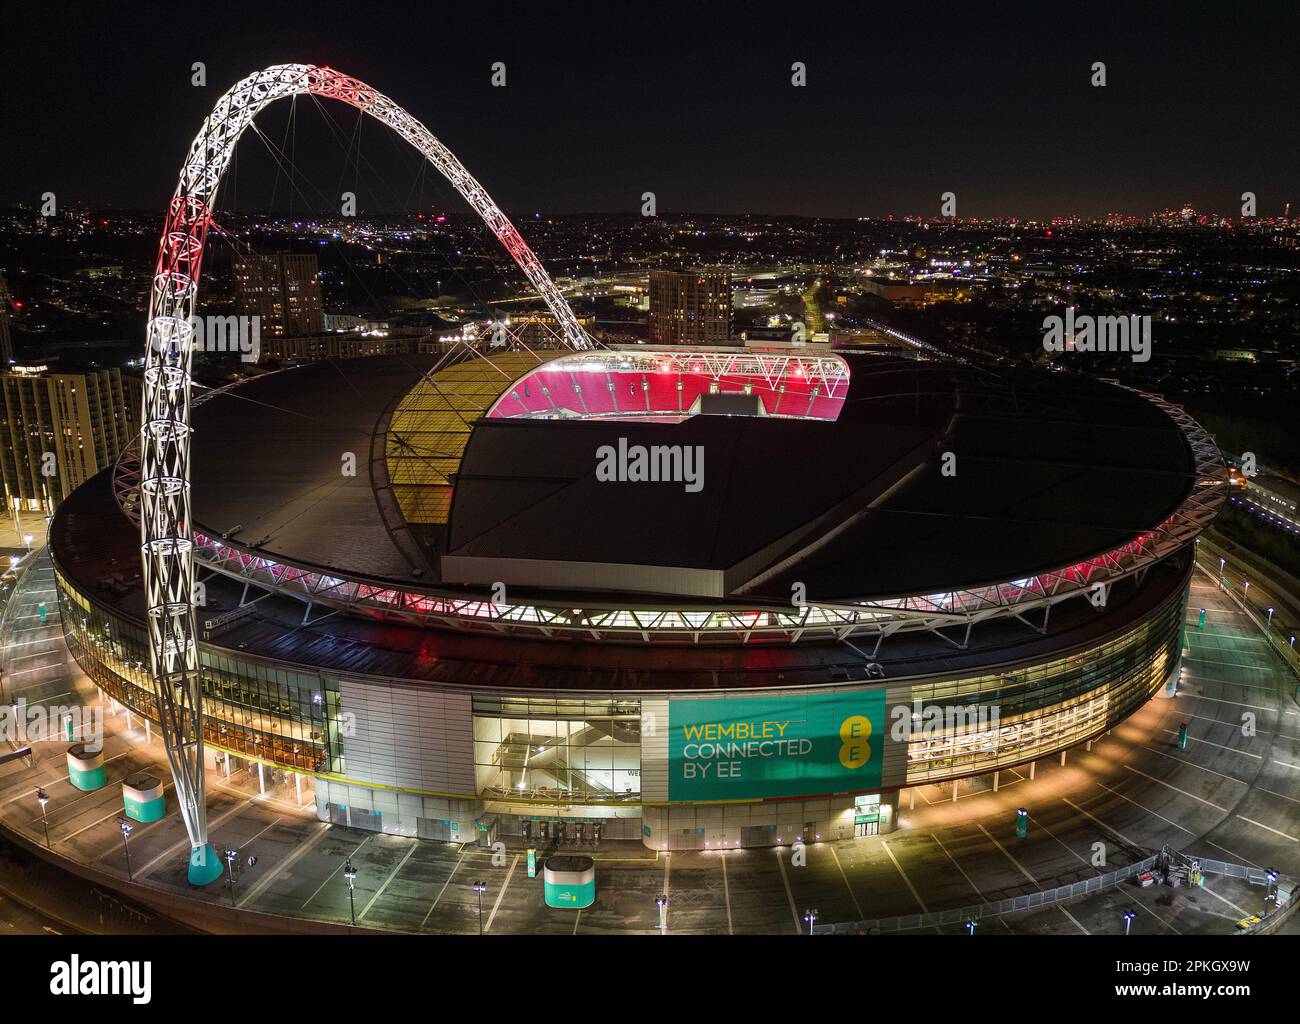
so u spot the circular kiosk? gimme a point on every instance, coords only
(85, 770)
(569, 882)
(142, 794)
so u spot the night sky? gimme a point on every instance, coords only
(694, 102)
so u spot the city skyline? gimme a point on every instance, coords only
(995, 107)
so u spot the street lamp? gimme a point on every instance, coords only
(230, 863)
(480, 888)
(970, 926)
(1270, 616)
(1128, 920)
(127, 828)
(1270, 897)
(1245, 592)
(661, 901)
(810, 916)
(27, 539)
(350, 873)
(43, 799)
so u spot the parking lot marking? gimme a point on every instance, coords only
(338, 869)
(1222, 899)
(463, 850)
(1209, 803)
(1234, 703)
(960, 869)
(726, 893)
(1154, 814)
(1235, 856)
(1193, 764)
(899, 867)
(852, 894)
(505, 885)
(1092, 817)
(391, 875)
(1120, 889)
(1268, 828)
(780, 862)
(300, 851)
(1023, 871)
(172, 850)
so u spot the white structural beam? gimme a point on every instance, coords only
(166, 527)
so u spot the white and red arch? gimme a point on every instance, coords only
(165, 523)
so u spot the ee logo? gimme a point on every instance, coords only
(855, 751)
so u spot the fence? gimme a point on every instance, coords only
(1033, 900)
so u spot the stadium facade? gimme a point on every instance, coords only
(422, 602)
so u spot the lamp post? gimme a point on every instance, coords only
(480, 888)
(350, 873)
(27, 539)
(970, 926)
(1128, 920)
(1270, 896)
(661, 901)
(1270, 616)
(230, 863)
(810, 916)
(127, 828)
(43, 799)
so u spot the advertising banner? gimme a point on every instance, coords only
(748, 747)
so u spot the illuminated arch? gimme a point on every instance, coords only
(165, 523)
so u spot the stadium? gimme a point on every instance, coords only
(430, 598)
(700, 597)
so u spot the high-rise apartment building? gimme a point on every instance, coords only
(6, 339)
(60, 429)
(282, 289)
(690, 307)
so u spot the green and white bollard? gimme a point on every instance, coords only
(142, 796)
(85, 769)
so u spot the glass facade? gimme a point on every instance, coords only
(1013, 716)
(558, 748)
(258, 710)
(565, 749)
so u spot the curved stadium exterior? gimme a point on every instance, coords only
(894, 571)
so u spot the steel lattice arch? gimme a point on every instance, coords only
(166, 533)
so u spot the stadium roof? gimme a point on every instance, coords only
(1051, 468)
